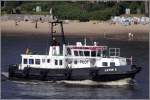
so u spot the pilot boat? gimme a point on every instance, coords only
(74, 62)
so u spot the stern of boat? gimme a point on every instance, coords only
(14, 71)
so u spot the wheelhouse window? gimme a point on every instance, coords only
(81, 53)
(68, 51)
(112, 64)
(48, 60)
(93, 53)
(104, 53)
(75, 62)
(99, 53)
(37, 61)
(112, 54)
(25, 61)
(117, 52)
(86, 53)
(60, 62)
(31, 61)
(76, 53)
(104, 64)
(56, 62)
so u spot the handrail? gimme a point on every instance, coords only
(114, 51)
(130, 59)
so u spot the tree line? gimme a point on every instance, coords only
(79, 10)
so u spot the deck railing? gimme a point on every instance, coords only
(129, 60)
(114, 52)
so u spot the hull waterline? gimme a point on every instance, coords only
(95, 74)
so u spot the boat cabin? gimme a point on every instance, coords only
(75, 56)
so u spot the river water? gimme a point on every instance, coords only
(13, 46)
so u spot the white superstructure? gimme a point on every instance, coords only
(75, 56)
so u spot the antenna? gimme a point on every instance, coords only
(51, 14)
(50, 11)
(85, 41)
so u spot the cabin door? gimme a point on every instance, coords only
(68, 63)
(92, 62)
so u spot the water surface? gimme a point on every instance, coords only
(12, 47)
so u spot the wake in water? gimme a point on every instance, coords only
(126, 81)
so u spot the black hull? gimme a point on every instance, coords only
(95, 74)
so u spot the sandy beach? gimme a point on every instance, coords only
(141, 32)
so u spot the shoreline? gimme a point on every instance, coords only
(88, 29)
(109, 38)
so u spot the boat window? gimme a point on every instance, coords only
(112, 54)
(31, 61)
(25, 61)
(93, 53)
(104, 64)
(112, 64)
(60, 62)
(75, 62)
(76, 53)
(48, 60)
(56, 62)
(68, 51)
(86, 53)
(114, 51)
(43, 60)
(117, 50)
(98, 53)
(81, 53)
(104, 53)
(37, 61)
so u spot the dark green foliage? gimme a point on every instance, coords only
(80, 10)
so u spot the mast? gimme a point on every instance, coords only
(54, 22)
(53, 31)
